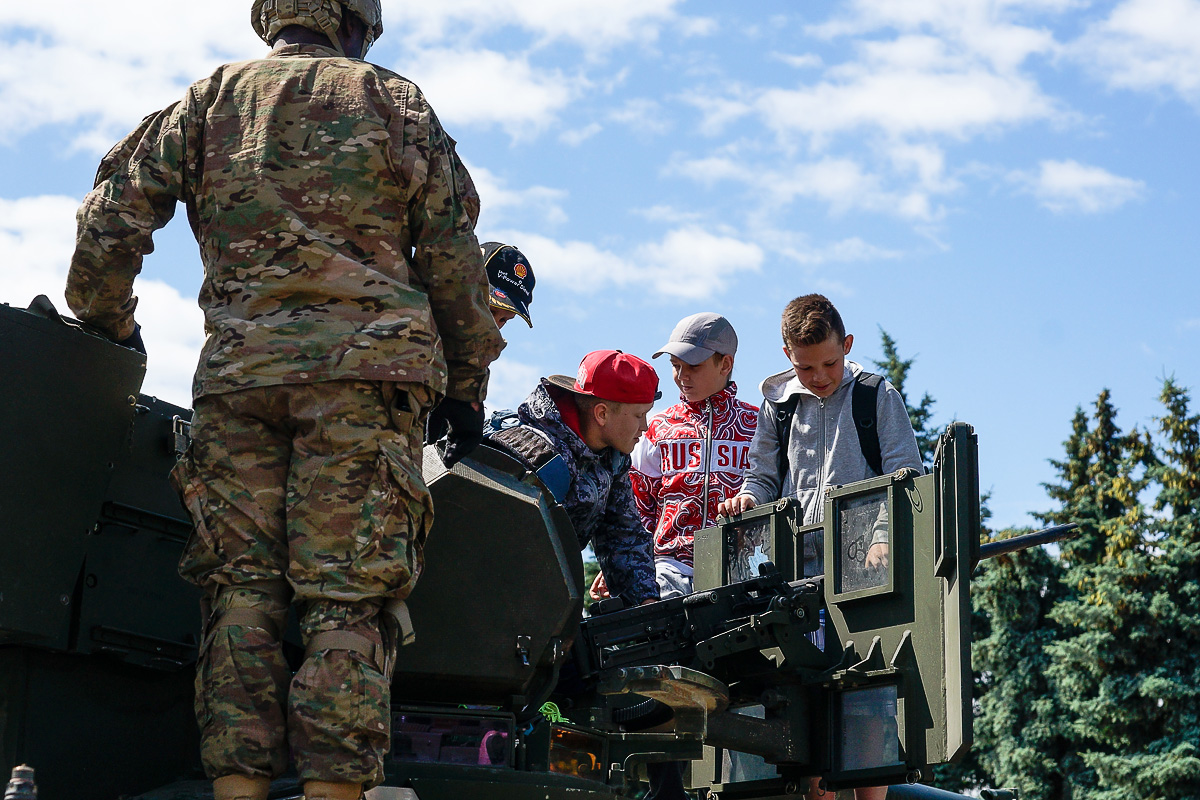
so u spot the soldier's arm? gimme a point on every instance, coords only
(137, 186)
(624, 548)
(447, 261)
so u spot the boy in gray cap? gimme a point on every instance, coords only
(690, 459)
(693, 454)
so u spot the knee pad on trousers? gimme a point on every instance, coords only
(395, 630)
(267, 611)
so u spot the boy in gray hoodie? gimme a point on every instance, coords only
(823, 446)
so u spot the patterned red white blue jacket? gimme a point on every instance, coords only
(691, 459)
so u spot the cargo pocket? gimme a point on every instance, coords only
(396, 518)
(202, 555)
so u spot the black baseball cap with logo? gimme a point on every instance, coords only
(510, 278)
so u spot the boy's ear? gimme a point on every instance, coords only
(600, 414)
(726, 365)
(847, 344)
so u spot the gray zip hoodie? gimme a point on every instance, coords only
(823, 449)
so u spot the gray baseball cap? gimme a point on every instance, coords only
(700, 336)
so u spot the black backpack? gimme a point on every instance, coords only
(863, 400)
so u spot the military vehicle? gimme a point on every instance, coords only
(509, 692)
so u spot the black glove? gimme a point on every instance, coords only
(134, 340)
(462, 425)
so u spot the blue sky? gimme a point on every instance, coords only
(1010, 189)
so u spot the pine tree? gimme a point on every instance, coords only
(895, 369)
(1020, 737)
(1156, 735)
(1097, 663)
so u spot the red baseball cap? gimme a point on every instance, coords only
(612, 375)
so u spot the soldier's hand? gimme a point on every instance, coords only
(461, 422)
(134, 340)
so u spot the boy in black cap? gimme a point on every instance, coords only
(511, 280)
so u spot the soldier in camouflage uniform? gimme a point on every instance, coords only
(344, 296)
(593, 421)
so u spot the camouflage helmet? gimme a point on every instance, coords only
(269, 17)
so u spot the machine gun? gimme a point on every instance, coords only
(505, 694)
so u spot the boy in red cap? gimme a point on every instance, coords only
(593, 421)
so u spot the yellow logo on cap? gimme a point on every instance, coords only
(520, 270)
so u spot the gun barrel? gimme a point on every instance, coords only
(1025, 541)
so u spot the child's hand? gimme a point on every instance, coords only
(877, 556)
(736, 505)
(599, 590)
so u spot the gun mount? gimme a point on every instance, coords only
(98, 634)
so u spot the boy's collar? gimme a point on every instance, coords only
(717, 398)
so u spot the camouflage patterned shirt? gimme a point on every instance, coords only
(600, 503)
(335, 223)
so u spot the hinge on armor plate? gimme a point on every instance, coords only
(182, 431)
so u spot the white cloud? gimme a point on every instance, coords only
(805, 61)
(843, 184)
(872, 132)
(688, 262)
(903, 93)
(726, 165)
(485, 88)
(668, 214)
(578, 136)
(798, 248)
(37, 237)
(104, 66)
(1063, 186)
(593, 26)
(107, 65)
(500, 204)
(985, 31)
(692, 263)
(698, 26)
(642, 115)
(510, 382)
(173, 330)
(1147, 45)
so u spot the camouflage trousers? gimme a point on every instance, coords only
(308, 494)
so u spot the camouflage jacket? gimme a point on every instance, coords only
(599, 503)
(335, 223)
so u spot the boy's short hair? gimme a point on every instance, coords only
(810, 320)
(586, 404)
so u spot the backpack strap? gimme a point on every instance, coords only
(863, 405)
(784, 413)
(537, 449)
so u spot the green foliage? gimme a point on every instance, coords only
(1102, 478)
(1020, 733)
(1122, 666)
(895, 369)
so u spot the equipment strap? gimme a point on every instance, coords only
(248, 617)
(341, 640)
(398, 611)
